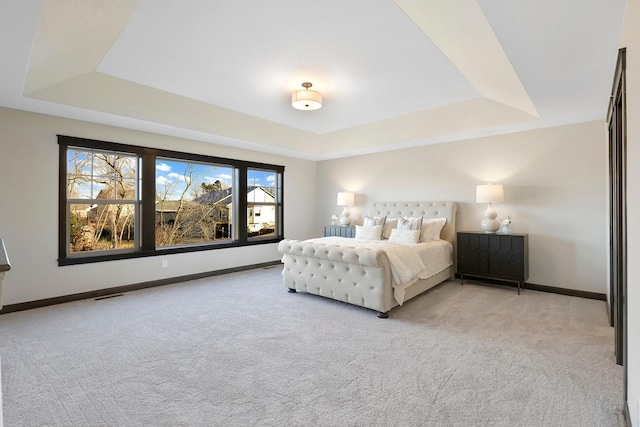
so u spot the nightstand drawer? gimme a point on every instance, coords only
(340, 231)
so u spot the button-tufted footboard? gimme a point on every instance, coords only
(358, 276)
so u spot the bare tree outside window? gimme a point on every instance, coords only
(102, 199)
(193, 202)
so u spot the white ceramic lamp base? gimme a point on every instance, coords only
(345, 217)
(490, 224)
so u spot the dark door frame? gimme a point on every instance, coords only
(617, 127)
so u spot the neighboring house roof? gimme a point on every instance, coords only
(167, 205)
(215, 197)
(268, 190)
(107, 193)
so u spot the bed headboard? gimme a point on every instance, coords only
(424, 209)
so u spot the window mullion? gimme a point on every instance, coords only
(148, 192)
(241, 197)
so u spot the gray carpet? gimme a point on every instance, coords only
(238, 350)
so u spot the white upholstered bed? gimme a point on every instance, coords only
(360, 272)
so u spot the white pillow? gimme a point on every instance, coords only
(410, 223)
(389, 225)
(369, 233)
(431, 229)
(404, 236)
(377, 220)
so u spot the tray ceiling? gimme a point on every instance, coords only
(392, 74)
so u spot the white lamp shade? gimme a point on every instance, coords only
(306, 100)
(489, 193)
(346, 199)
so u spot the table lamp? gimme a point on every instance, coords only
(346, 199)
(490, 193)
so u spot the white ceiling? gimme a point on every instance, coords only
(393, 74)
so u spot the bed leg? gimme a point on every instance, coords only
(291, 291)
(382, 315)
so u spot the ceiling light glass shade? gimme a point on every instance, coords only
(306, 99)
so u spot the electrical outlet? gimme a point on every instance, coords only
(165, 263)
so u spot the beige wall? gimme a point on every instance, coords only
(555, 190)
(29, 212)
(631, 40)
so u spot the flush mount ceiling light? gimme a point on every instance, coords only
(306, 99)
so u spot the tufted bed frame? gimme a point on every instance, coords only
(362, 276)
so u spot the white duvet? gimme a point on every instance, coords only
(409, 262)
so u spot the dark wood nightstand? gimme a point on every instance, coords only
(493, 256)
(340, 231)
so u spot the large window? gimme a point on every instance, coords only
(120, 201)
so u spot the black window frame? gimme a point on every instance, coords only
(147, 199)
(277, 202)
